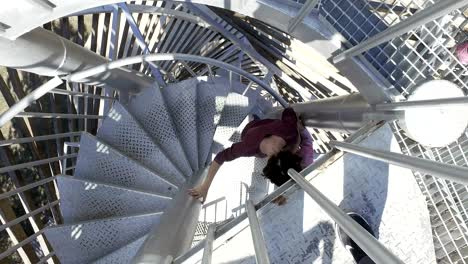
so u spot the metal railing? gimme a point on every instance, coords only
(208, 62)
(82, 107)
(201, 66)
(34, 216)
(261, 252)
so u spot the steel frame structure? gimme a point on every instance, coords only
(373, 249)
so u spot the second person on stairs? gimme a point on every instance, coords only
(284, 141)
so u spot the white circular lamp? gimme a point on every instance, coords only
(437, 126)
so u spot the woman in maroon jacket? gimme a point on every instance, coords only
(260, 138)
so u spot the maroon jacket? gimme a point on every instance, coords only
(256, 131)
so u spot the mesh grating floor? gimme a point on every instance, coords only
(424, 53)
(428, 52)
(447, 201)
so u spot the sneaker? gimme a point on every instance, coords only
(357, 253)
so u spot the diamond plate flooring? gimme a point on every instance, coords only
(301, 232)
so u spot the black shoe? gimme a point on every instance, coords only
(357, 253)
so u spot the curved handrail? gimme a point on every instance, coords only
(172, 56)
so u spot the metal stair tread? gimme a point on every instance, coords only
(122, 131)
(115, 167)
(94, 200)
(181, 100)
(212, 94)
(122, 255)
(235, 110)
(86, 241)
(150, 109)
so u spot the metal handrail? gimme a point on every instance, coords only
(261, 254)
(27, 187)
(80, 94)
(26, 216)
(433, 103)
(74, 77)
(21, 244)
(28, 100)
(9, 142)
(44, 259)
(442, 170)
(57, 115)
(364, 239)
(35, 163)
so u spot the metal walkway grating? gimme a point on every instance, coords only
(447, 201)
(425, 53)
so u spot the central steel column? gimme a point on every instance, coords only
(346, 113)
(174, 234)
(46, 53)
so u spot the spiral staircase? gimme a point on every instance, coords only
(126, 176)
(174, 82)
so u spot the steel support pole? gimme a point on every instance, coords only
(344, 113)
(174, 234)
(261, 253)
(435, 103)
(376, 251)
(442, 170)
(46, 53)
(422, 17)
(304, 11)
(208, 250)
(28, 100)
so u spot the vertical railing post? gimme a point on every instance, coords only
(207, 252)
(261, 253)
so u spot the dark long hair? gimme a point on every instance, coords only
(277, 167)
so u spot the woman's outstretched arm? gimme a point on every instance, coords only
(201, 190)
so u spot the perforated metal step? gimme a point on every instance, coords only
(236, 108)
(87, 241)
(181, 100)
(151, 112)
(82, 200)
(212, 95)
(122, 131)
(98, 161)
(122, 255)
